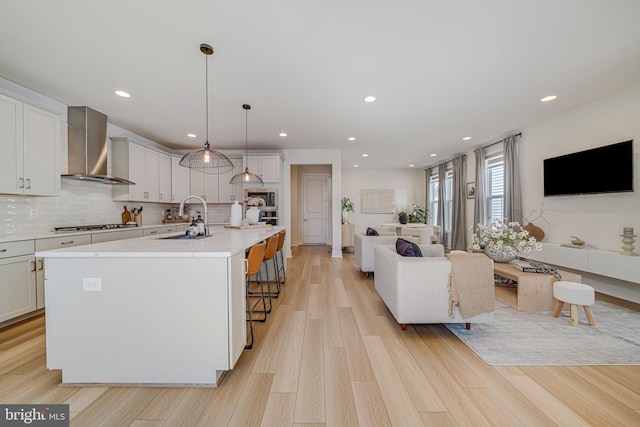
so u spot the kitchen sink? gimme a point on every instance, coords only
(184, 237)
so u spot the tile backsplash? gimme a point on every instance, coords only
(80, 203)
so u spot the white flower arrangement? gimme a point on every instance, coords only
(500, 233)
(254, 201)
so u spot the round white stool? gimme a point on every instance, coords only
(574, 294)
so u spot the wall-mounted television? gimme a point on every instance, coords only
(607, 169)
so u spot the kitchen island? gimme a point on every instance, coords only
(149, 310)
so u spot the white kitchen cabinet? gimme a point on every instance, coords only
(155, 231)
(228, 193)
(138, 164)
(164, 178)
(204, 185)
(17, 279)
(109, 236)
(179, 180)
(266, 167)
(30, 146)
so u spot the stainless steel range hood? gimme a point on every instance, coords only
(88, 147)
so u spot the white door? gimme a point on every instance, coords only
(314, 209)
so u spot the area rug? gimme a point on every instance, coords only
(536, 338)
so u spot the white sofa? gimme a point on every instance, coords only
(363, 248)
(415, 289)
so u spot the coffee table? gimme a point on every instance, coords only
(535, 290)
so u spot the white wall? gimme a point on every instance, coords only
(596, 219)
(408, 185)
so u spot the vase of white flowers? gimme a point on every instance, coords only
(253, 213)
(502, 241)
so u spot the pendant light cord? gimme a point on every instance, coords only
(206, 84)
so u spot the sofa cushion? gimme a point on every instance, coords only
(407, 248)
(372, 232)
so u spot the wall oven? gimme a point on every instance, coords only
(269, 196)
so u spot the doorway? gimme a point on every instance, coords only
(311, 204)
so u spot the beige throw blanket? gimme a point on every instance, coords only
(471, 286)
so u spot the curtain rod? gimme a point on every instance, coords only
(502, 140)
(446, 161)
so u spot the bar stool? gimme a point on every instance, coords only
(269, 253)
(280, 265)
(254, 261)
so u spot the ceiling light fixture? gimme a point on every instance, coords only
(369, 98)
(351, 138)
(466, 138)
(356, 166)
(246, 178)
(191, 135)
(123, 94)
(207, 160)
(283, 134)
(548, 98)
(365, 155)
(433, 155)
(411, 166)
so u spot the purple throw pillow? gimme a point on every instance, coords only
(372, 232)
(407, 248)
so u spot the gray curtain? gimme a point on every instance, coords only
(512, 191)
(442, 219)
(426, 193)
(480, 202)
(458, 234)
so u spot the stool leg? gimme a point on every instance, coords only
(558, 309)
(574, 315)
(587, 310)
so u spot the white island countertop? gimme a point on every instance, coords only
(222, 242)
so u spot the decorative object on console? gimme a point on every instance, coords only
(502, 241)
(347, 206)
(253, 215)
(577, 241)
(534, 230)
(628, 241)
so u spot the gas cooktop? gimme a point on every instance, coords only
(91, 227)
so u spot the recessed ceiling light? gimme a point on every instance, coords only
(365, 155)
(351, 138)
(283, 134)
(356, 166)
(123, 94)
(466, 138)
(370, 98)
(411, 166)
(433, 154)
(548, 98)
(191, 135)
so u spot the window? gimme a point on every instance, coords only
(494, 165)
(432, 203)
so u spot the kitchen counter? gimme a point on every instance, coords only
(222, 242)
(148, 310)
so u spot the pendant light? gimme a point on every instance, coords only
(207, 160)
(246, 178)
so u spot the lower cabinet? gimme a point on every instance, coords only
(17, 279)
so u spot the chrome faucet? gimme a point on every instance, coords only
(206, 212)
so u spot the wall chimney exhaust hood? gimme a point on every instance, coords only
(88, 147)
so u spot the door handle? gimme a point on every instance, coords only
(20, 182)
(28, 183)
(40, 264)
(33, 266)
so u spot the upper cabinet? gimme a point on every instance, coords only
(30, 146)
(179, 180)
(164, 178)
(266, 167)
(228, 193)
(138, 164)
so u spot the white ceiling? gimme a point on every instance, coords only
(441, 70)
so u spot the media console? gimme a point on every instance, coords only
(610, 264)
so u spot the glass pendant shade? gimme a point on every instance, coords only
(207, 160)
(246, 178)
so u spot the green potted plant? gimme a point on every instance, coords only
(418, 214)
(347, 206)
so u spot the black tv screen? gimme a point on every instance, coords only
(607, 169)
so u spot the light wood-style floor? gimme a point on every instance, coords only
(331, 354)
